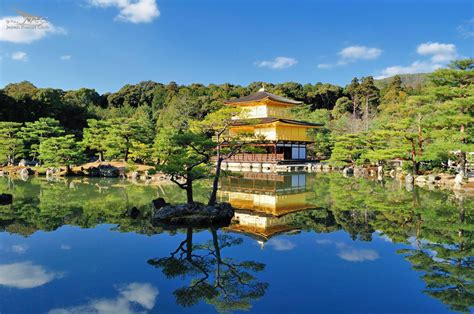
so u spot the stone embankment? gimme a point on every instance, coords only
(96, 169)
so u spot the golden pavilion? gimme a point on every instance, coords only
(267, 116)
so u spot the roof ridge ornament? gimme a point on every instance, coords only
(262, 89)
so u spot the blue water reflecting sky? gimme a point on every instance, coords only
(78, 270)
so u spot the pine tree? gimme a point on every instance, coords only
(11, 145)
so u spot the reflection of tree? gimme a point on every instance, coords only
(318, 220)
(446, 256)
(441, 225)
(39, 204)
(220, 281)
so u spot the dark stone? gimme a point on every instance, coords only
(194, 215)
(159, 203)
(348, 172)
(109, 171)
(92, 172)
(103, 171)
(6, 199)
(134, 213)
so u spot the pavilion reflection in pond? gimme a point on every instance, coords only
(264, 202)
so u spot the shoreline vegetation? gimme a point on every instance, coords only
(169, 131)
(143, 174)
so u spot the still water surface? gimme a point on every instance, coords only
(299, 243)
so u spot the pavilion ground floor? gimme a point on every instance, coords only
(272, 157)
(274, 152)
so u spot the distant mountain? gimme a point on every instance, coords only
(409, 80)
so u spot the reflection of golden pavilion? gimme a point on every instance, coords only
(262, 201)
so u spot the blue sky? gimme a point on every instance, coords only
(105, 44)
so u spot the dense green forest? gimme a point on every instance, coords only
(416, 118)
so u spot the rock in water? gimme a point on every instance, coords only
(195, 215)
(6, 199)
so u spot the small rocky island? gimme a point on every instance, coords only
(193, 214)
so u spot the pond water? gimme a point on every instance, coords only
(299, 243)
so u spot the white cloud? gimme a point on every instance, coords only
(143, 294)
(281, 244)
(25, 35)
(325, 66)
(356, 255)
(439, 52)
(359, 53)
(20, 56)
(415, 67)
(278, 63)
(25, 275)
(134, 11)
(466, 29)
(19, 248)
(65, 57)
(352, 54)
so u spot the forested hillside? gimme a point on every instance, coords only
(419, 118)
(415, 81)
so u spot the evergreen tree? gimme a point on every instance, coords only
(33, 133)
(60, 151)
(11, 145)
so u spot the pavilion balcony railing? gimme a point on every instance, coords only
(256, 158)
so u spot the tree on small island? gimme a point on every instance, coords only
(187, 160)
(189, 156)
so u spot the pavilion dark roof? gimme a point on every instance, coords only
(256, 121)
(262, 95)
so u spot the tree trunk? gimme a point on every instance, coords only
(101, 156)
(413, 158)
(126, 155)
(366, 113)
(354, 106)
(189, 190)
(420, 138)
(215, 184)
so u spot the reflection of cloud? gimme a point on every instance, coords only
(281, 244)
(19, 248)
(356, 255)
(65, 247)
(384, 237)
(25, 275)
(143, 294)
(323, 241)
(348, 253)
